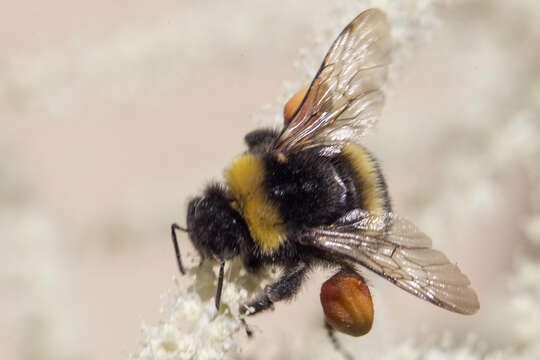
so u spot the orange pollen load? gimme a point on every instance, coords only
(293, 104)
(347, 303)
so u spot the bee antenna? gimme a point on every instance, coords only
(175, 227)
(220, 284)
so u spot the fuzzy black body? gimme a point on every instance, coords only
(310, 189)
(216, 227)
(307, 190)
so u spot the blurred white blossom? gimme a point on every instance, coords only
(34, 277)
(57, 80)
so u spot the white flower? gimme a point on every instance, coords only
(192, 328)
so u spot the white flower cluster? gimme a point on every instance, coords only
(192, 328)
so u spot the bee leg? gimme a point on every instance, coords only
(249, 332)
(335, 341)
(284, 288)
(175, 227)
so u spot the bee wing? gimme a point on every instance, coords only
(396, 250)
(345, 98)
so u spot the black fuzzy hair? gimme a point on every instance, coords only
(216, 229)
(307, 189)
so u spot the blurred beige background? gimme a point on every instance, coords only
(114, 114)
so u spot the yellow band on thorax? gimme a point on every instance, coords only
(245, 179)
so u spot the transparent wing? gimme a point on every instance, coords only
(345, 98)
(395, 249)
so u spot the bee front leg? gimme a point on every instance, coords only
(284, 288)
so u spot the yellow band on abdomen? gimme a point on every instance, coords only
(370, 183)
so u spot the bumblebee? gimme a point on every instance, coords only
(312, 195)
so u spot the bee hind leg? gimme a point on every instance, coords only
(284, 288)
(335, 342)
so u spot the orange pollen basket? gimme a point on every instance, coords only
(347, 303)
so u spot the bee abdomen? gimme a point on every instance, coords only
(369, 185)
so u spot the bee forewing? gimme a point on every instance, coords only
(345, 97)
(395, 249)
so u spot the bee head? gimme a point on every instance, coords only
(215, 228)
